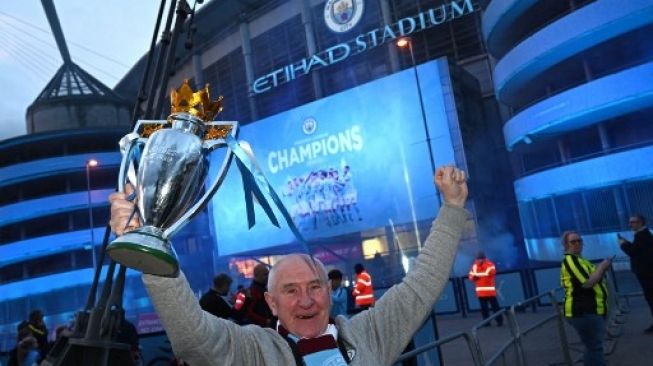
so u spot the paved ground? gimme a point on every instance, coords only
(629, 347)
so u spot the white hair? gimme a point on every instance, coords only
(316, 266)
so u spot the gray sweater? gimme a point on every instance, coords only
(374, 337)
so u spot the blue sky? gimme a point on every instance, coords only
(105, 38)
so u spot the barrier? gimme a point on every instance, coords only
(515, 341)
(440, 342)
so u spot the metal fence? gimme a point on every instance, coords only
(515, 350)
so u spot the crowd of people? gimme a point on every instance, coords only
(296, 312)
(322, 197)
(33, 341)
(298, 292)
(248, 305)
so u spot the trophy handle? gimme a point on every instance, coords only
(201, 203)
(127, 145)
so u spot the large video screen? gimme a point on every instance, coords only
(349, 162)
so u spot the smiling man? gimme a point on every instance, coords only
(300, 296)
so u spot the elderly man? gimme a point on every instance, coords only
(299, 295)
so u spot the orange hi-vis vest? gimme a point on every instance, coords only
(483, 273)
(363, 290)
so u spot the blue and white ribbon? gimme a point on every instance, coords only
(254, 183)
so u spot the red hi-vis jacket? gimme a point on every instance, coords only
(483, 273)
(363, 290)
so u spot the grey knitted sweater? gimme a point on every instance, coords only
(374, 337)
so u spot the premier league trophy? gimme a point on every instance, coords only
(166, 163)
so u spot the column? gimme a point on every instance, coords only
(311, 47)
(392, 47)
(249, 65)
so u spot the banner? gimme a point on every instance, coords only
(349, 162)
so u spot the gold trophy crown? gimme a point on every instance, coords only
(197, 103)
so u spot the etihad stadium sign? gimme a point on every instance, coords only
(365, 41)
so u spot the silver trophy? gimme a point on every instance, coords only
(166, 162)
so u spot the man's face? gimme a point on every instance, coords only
(261, 274)
(635, 223)
(300, 299)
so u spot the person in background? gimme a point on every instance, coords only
(26, 352)
(240, 304)
(217, 300)
(257, 310)
(586, 297)
(338, 294)
(128, 334)
(483, 274)
(363, 290)
(640, 251)
(39, 331)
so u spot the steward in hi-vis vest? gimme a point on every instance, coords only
(586, 297)
(363, 290)
(483, 273)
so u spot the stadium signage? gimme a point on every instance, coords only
(363, 42)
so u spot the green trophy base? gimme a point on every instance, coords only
(145, 250)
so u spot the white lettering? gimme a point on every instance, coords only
(340, 52)
(434, 19)
(294, 158)
(360, 42)
(275, 80)
(457, 10)
(305, 153)
(356, 137)
(388, 33)
(349, 140)
(301, 67)
(345, 49)
(332, 145)
(282, 158)
(261, 84)
(274, 168)
(411, 29)
(315, 60)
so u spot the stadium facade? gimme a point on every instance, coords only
(322, 90)
(575, 76)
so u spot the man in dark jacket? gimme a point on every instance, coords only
(257, 310)
(217, 301)
(640, 252)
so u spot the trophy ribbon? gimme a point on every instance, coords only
(254, 182)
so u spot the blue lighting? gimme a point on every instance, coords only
(24, 250)
(596, 246)
(54, 166)
(593, 102)
(581, 30)
(39, 285)
(607, 170)
(27, 210)
(383, 144)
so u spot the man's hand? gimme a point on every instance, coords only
(452, 184)
(621, 239)
(121, 210)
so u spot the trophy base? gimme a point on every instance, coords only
(145, 250)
